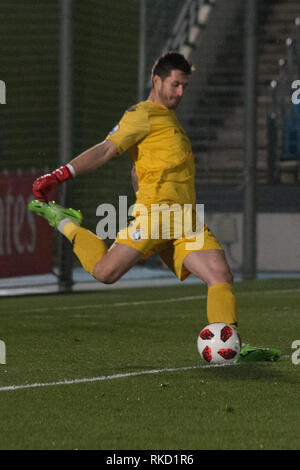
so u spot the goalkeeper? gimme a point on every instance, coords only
(163, 173)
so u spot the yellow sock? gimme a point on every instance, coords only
(221, 304)
(86, 245)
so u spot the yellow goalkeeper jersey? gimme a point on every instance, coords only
(161, 152)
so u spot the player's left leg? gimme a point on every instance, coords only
(105, 265)
(211, 267)
(119, 259)
(86, 245)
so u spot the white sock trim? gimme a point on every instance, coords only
(73, 173)
(64, 222)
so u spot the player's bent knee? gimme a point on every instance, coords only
(226, 276)
(105, 276)
(221, 274)
(106, 279)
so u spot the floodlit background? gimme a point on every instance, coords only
(71, 68)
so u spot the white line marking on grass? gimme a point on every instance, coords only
(105, 377)
(145, 302)
(116, 304)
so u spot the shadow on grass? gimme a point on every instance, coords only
(258, 371)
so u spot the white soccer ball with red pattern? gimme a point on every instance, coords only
(219, 343)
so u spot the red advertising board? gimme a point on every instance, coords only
(26, 241)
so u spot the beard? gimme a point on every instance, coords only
(171, 102)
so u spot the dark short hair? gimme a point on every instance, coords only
(164, 65)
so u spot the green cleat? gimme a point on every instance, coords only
(252, 354)
(54, 213)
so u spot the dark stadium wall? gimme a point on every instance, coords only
(105, 83)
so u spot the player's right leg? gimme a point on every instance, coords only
(118, 260)
(105, 266)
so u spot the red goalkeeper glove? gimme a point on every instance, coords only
(44, 187)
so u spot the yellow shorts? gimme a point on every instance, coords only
(171, 250)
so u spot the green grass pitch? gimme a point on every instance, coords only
(122, 342)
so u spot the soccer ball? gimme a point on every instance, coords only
(219, 343)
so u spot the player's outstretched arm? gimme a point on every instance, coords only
(91, 159)
(94, 157)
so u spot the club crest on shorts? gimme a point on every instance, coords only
(137, 235)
